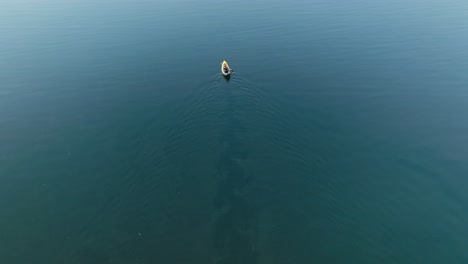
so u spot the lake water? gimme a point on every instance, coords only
(341, 138)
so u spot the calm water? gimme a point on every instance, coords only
(342, 137)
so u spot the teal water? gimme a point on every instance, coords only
(342, 137)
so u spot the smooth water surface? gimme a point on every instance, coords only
(341, 138)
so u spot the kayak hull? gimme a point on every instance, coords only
(223, 65)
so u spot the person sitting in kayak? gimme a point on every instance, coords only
(226, 69)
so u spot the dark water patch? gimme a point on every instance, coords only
(233, 227)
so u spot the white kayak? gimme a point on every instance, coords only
(225, 70)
